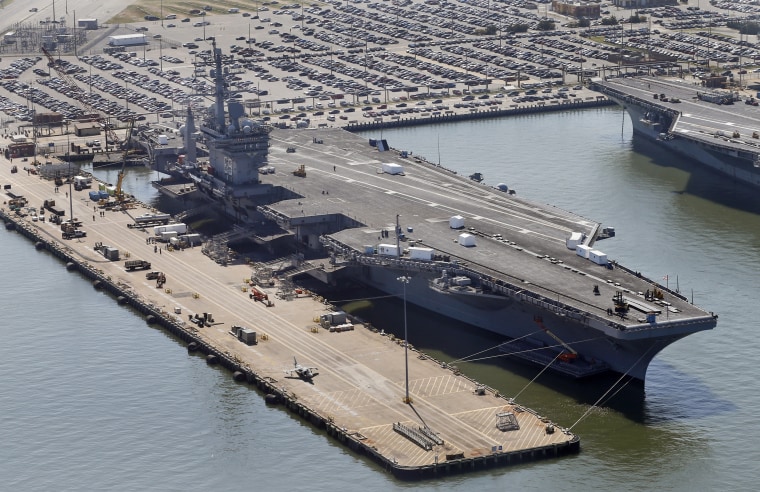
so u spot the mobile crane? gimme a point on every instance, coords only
(119, 193)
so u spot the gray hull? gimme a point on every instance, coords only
(514, 319)
(710, 153)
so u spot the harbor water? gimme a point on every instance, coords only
(93, 398)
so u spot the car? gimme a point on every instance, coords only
(33, 9)
(186, 19)
(156, 36)
(240, 38)
(141, 28)
(171, 25)
(199, 39)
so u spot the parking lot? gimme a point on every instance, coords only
(339, 62)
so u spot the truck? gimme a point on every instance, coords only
(74, 233)
(51, 206)
(82, 182)
(136, 265)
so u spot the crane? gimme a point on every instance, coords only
(120, 179)
(79, 95)
(570, 354)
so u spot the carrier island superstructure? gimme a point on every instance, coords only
(529, 272)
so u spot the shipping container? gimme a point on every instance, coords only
(387, 250)
(467, 240)
(582, 250)
(191, 239)
(597, 257)
(417, 253)
(167, 236)
(456, 222)
(391, 168)
(574, 240)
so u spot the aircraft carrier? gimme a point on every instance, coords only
(527, 271)
(719, 129)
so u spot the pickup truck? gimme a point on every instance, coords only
(136, 265)
(74, 234)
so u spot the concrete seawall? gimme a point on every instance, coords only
(600, 101)
(267, 386)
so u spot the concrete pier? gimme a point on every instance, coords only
(452, 425)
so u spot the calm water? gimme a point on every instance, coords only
(92, 398)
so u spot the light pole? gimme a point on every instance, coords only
(407, 399)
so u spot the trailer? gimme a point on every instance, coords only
(153, 218)
(127, 40)
(136, 265)
(179, 228)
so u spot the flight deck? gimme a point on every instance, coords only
(519, 245)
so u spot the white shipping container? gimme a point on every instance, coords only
(574, 240)
(387, 250)
(163, 139)
(191, 239)
(456, 222)
(179, 228)
(392, 168)
(582, 250)
(417, 253)
(466, 239)
(597, 257)
(167, 236)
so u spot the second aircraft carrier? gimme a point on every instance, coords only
(716, 128)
